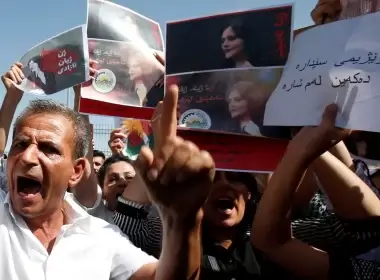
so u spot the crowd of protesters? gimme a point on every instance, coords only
(69, 212)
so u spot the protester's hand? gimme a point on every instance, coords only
(155, 120)
(314, 141)
(327, 10)
(161, 60)
(92, 68)
(177, 174)
(116, 142)
(12, 77)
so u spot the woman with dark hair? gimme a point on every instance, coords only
(235, 44)
(43, 80)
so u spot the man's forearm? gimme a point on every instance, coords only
(277, 201)
(7, 112)
(181, 250)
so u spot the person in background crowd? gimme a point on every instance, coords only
(271, 227)
(114, 176)
(132, 217)
(98, 159)
(329, 11)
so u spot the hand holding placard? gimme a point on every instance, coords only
(177, 174)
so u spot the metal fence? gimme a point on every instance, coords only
(101, 136)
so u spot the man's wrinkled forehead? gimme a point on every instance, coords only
(44, 125)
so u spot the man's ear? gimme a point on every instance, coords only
(79, 168)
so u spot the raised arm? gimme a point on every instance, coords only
(271, 230)
(178, 177)
(132, 217)
(86, 191)
(11, 100)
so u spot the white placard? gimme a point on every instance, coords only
(334, 63)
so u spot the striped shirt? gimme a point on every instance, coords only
(346, 239)
(343, 240)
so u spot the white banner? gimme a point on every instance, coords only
(337, 62)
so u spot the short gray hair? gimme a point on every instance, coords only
(81, 127)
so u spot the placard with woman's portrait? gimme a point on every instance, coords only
(254, 38)
(126, 75)
(109, 21)
(228, 101)
(126, 46)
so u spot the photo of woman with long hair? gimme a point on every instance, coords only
(109, 21)
(246, 105)
(144, 76)
(235, 43)
(243, 39)
(37, 79)
(136, 74)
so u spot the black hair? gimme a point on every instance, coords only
(249, 181)
(243, 32)
(97, 153)
(107, 163)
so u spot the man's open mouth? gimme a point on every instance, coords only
(28, 186)
(225, 204)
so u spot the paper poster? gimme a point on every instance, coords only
(56, 64)
(123, 43)
(346, 73)
(109, 21)
(228, 101)
(247, 39)
(239, 153)
(230, 152)
(227, 73)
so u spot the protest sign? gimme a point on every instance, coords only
(230, 152)
(346, 71)
(229, 101)
(237, 152)
(124, 44)
(238, 64)
(57, 63)
(245, 39)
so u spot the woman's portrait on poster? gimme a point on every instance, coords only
(236, 45)
(227, 41)
(246, 105)
(234, 100)
(136, 73)
(108, 21)
(43, 80)
(144, 76)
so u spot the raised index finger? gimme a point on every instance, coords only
(168, 122)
